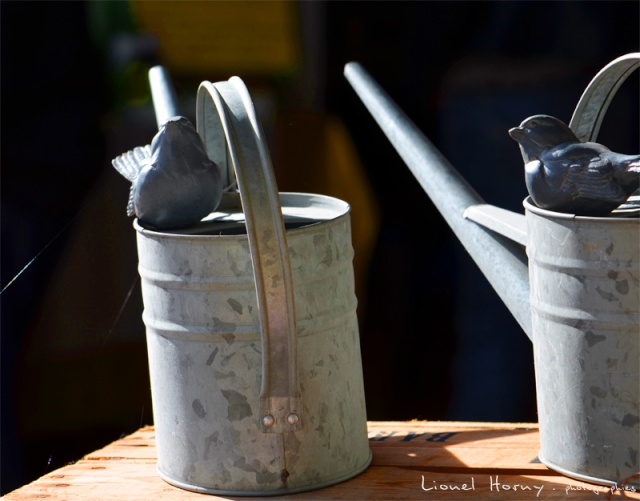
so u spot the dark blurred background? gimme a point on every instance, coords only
(436, 342)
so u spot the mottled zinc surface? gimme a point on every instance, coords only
(205, 360)
(585, 301)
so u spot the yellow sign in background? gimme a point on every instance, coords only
(249, 37)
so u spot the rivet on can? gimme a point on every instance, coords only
(293, 418)
(268, 420)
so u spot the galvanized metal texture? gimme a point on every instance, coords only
(205, 353)
(505, 222)
(205, 356)
(595, 100)
(585, 301)
(211, 130)
(280, 399)
(502, 261)
(251, 395)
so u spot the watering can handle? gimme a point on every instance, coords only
(595, 100)
(209, 123)
(226, 120)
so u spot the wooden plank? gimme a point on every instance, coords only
(414, 460)
(140, 445)
(135, 481)
(472, 445)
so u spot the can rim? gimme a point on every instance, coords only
(530, 206)
(310, 209)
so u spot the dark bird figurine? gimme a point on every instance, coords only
(565, 175)
(173, 181)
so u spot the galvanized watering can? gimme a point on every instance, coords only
(577, 298)
(252, 335)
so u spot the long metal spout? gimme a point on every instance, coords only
(503, 261)
(163, 95)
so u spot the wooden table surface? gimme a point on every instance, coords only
(411, 460)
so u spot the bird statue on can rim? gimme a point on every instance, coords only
(564, 174)
(173, 182)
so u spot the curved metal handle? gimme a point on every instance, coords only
(227, 121)
(209, 123)
(589, 113)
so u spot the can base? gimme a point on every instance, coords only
(587, 478)
(276, 492)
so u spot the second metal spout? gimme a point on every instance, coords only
(502, 260)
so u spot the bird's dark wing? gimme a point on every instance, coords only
(584, 170)
(129, 164)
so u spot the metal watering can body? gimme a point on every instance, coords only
(252, 334)
(571, 282)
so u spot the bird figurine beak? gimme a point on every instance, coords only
(517, 133)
